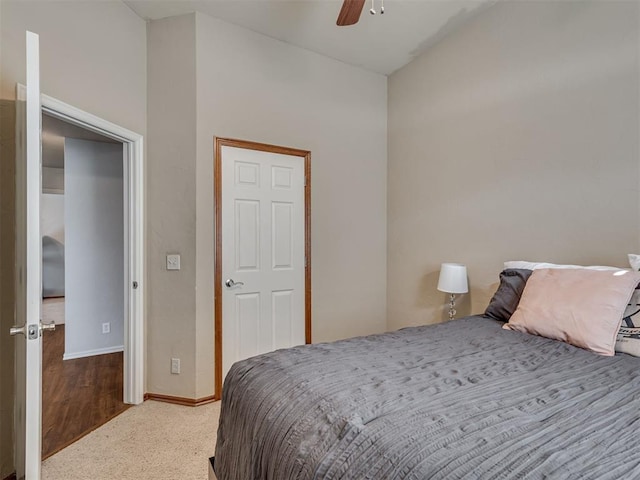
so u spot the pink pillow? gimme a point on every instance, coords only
(578, 306)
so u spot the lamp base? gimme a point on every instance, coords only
(452, 304)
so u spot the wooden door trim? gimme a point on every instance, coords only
(217, 189)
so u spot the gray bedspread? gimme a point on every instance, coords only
(463, 399)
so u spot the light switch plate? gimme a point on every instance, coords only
(173, 262)
(175, 366)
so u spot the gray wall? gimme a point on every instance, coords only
(94, 247)
(516, 137)
(266, 91)
(75, 40)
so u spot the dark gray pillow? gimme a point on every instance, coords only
(505, 301)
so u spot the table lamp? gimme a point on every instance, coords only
(453, 280)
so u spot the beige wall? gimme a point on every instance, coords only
(514, 138)
(93, 57)
(252, 87)
(171, 206)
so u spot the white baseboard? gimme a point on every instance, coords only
(91, 353)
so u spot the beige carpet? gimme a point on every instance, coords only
(147, 442)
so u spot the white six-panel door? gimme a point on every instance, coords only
(263, 253)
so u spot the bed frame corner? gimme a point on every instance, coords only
(212, 473)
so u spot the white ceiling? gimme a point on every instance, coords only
(380, 43)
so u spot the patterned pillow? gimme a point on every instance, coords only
(628, 339)
(631, 317)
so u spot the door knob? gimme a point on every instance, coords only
(32, 331)
(13, 331)
(29, 331)
(47, 327)
(231, 283)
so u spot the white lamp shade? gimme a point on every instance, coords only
(453, 278)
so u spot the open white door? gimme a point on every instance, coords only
(28, 330)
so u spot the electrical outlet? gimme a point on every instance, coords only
(175, 365)
(106, 327)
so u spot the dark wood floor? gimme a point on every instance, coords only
(77, 395)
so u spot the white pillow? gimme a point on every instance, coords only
(634, 261)
(539, 265)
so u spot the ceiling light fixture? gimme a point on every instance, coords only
(351, 10)
(373, 7)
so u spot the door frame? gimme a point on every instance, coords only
(305, 156)
(133, 187)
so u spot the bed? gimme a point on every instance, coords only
(464, 399)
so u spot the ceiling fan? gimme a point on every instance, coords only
(351, 10)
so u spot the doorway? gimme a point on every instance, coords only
(107, 371)
(82, 227)
(133, 200)
(262, 250)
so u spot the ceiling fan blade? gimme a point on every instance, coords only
(350, 12)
